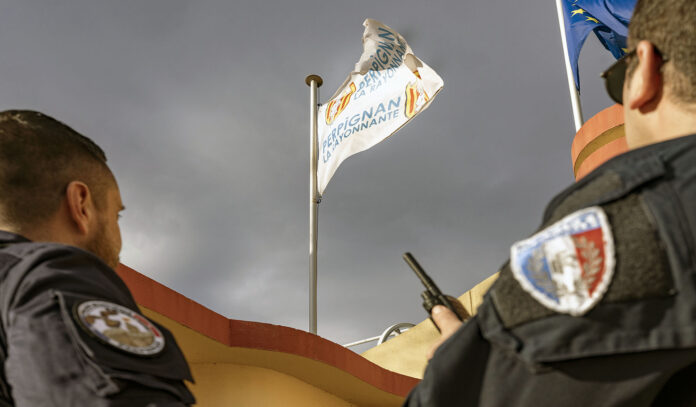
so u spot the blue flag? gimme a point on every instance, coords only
(608, 19)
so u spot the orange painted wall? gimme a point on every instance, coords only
(600, 139)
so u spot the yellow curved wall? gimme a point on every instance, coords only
(226, 384)
(238, 376)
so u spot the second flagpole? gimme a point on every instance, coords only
(574, 94)
(314, 82)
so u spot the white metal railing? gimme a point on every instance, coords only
(394, 330)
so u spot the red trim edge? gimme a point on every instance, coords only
(257, 335)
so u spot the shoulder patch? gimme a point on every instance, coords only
(120, 327)
(568, 266)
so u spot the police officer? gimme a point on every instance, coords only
(598, 307)
(71, 333)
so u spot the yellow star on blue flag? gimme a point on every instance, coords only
(608, 19)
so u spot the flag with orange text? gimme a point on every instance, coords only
(388, 87)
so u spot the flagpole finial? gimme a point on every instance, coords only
(316, 78)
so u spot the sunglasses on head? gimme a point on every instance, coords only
(615, 75)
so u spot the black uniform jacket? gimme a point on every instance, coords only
(636, 347)
(49, 359)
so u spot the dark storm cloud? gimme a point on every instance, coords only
(202, 109)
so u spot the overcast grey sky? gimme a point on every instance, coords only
(203, 111)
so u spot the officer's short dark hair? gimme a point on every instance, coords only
(39, 157)
(670, 25)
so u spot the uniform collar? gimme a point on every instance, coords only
(7, 237)
(662, 150)
(623, 173)
(645, 163)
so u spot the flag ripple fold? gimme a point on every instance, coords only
(388, 87)
(608, 19)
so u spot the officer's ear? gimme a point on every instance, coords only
(80, 206)
(645, 83)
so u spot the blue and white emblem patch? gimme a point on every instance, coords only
(568, 266)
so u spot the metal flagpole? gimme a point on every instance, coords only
(314, 82)
(574, 94)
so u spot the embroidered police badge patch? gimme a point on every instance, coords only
(120, 327)
(568, 266)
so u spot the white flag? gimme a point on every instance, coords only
(388, 87)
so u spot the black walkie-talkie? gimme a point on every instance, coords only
(432, 296)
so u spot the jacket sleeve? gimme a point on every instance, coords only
(54, 360)
(454, 376)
